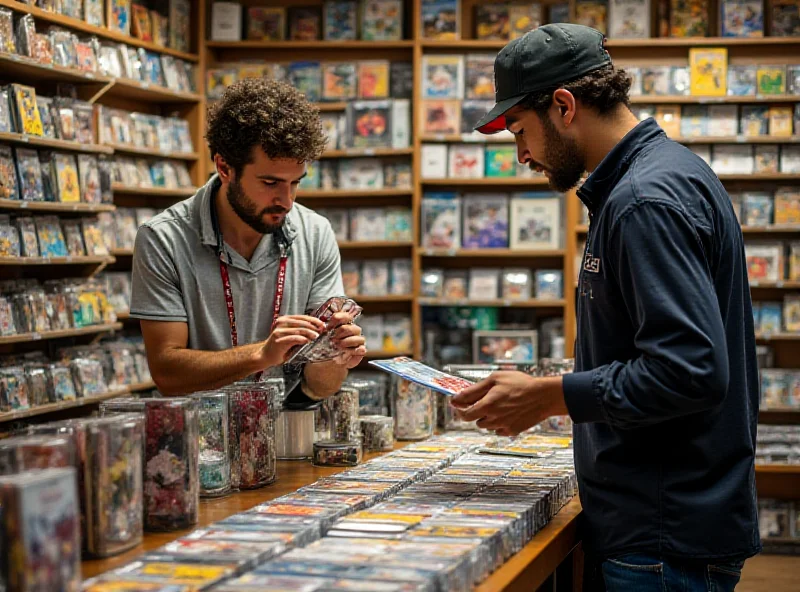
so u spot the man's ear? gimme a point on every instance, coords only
(565, 103)
(224, 170)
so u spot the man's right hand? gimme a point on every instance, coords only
(289, 332)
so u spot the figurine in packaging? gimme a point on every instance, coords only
(413, 411)
(14, 392)
(9, 238)
(46, 109)
(252, 411)
(29, 120)
(38, 385)
(8, 41)
(114, 472)
(29, 174)
(73, 238)
(215, 464)
(24, 453)
(8, 174)
(66, 171)
(51, 238)
(8, 325)
(89, 176)
(119, 16)
(41, 522)
(89, 377)
(61, 382)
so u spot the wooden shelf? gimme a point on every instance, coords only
(37, 142)
(772, 229)
(649, 43)
(761, 177)
(653, 43)
(151, 93)
(153, 191)
(124, 149)
(467, 138)
(504, 303)
(29, 337)
(84, 27)
(778, 469)
(123, 315)
(778, 337)
(691, 99)
(491, 253)
(356, 152)
(58, 207)
(16, 67)
(16, 261)
(368, 46)
(362, 299)
(374, 244)
(79, 402)
(490, 182)
(122, 252)
(740, 140)
(348, 193)
(337, 106)
(779, 285)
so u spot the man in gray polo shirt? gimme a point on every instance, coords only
(224, 281)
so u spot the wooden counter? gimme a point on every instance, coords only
(527, 570)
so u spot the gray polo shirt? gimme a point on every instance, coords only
(176, 275)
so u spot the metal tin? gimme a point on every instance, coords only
(295, 434)
(377, 433)
(337, 454)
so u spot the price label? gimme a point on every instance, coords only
(68, 258)
(369, 152)
(36, 336)
(23, 205)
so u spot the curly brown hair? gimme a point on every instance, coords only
(602, 90)
(266, 113)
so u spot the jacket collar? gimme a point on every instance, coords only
(603, 179)
(208, 225)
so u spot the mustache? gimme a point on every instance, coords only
(274, 210)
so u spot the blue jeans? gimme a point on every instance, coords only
(636, 572)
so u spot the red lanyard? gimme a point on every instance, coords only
(280, 283)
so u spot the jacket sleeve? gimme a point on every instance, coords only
(664, 279)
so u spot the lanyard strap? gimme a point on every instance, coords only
(280, 284)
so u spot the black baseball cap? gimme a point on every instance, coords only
(541, 59)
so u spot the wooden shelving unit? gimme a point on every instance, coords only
(79, 402)
(317, 45)
(153, 191)
(500, 303)
(491, 253)
(55, 207)
(70, 260)
(353, 193)
(38, 142)
(135, 150)
(32, 337)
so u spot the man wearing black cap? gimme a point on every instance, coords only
(664, 398)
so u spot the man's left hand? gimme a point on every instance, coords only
(347, 337)
(509, 403)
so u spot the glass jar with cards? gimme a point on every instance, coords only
(556, 367)
(215, 464)
(413, 410)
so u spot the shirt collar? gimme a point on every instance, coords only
(602, 180)
(203, 203)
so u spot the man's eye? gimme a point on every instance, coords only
(270, 183)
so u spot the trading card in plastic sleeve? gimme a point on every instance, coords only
(323, 349)
(174, 572)
(214, 551)
(231, 533)
(273, 583)
(123, 585)
(362, 572)
(387, 476)
(272, 508)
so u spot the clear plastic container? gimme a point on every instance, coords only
(215, 463)
(114, 494)
(345, 426)
(23, 453)
(413, 409)
(252, 414)
(377, 433)
(556, 367)
(170, 472)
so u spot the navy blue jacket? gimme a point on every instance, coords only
(665, 393)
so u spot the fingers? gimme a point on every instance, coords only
(309, 334)
(340, 319)
(288, 341)
(344, 331)
(301, 321)
(473, 394)
(350, 342)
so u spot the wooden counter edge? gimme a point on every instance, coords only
(528, 569)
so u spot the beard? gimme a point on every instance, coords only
(248, 211)
(569, 165)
